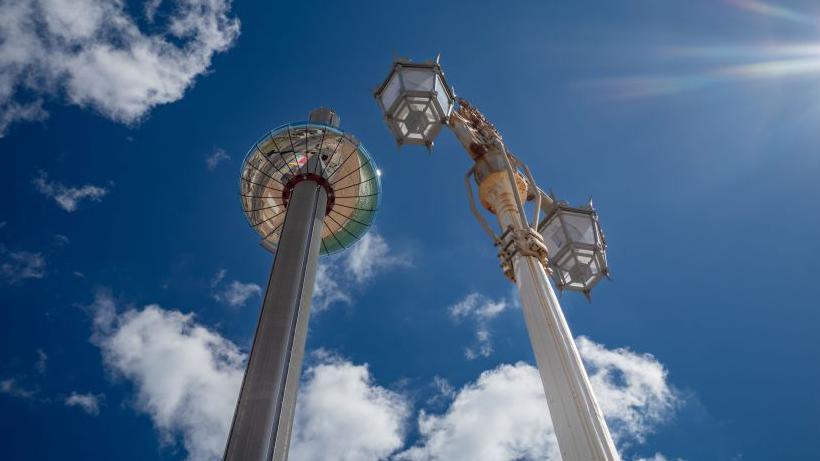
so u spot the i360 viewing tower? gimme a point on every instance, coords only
(307, 188)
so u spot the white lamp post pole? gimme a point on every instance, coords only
(417, 102)
(579, 424)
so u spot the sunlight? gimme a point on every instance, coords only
(725, 64)
(775, 11)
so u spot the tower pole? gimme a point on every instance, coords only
(579, 425)
(263, 419)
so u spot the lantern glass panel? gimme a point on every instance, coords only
(391, 91)
(554, 236)
(580, 227)
(443, 97)
(418, 79)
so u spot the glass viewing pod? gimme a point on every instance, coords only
(344, 167)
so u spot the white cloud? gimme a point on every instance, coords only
(342, 414)
(13, 112)
(632, 389)
(68, 197)
(11, 387)
(339, 276)
(235, 293)
(151, 7)
(42, 362)
(218, 277)
(216, 158)
(477, 306)
(89, 402)
(187, 379)
(370, 255)
(95, 54)
(503, 416)
(17, 266)
(326, 288)
(480, 310)
(186, 376)
(657, 457)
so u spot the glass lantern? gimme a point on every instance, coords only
(576, 247)
(416, 101)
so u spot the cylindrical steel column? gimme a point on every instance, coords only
(264, 412)
(579, 424)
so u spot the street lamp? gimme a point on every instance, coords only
(569, 244)
(576, 246)
(416, 101)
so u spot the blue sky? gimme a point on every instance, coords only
(129, 277)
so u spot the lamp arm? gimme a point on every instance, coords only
(538, 192)
(511, 177)
(483, 222)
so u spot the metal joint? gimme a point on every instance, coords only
(318, 179)
(523, 242)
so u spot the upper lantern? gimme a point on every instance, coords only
(416, 101)
(576, 247)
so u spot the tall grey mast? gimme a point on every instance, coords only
(307, 188)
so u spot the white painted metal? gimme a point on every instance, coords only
(579, 424)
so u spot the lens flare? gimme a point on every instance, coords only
(775, 11)
(660, 85)
(725, 63)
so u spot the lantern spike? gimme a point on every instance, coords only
(588, 295)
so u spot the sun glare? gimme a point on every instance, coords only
(726, 64)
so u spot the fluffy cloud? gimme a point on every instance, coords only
(216, 158)
(371, 255)
(342, 415)
(477, 306)
(503, 415)
(11, 387)
(13, 112)
(42, 362)
(480, 310)
(657, 457)
(68, 197)
(89, 403)
(500, 417)
(235, 293)
(186, 377)
(337, 277)
(326, 288)
(17, 266)
(96, 55)
(632, 389)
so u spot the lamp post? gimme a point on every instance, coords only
(307, 189)
(567, 245)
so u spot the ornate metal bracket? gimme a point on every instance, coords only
(524, 242)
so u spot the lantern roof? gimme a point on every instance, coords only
(400, 62)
